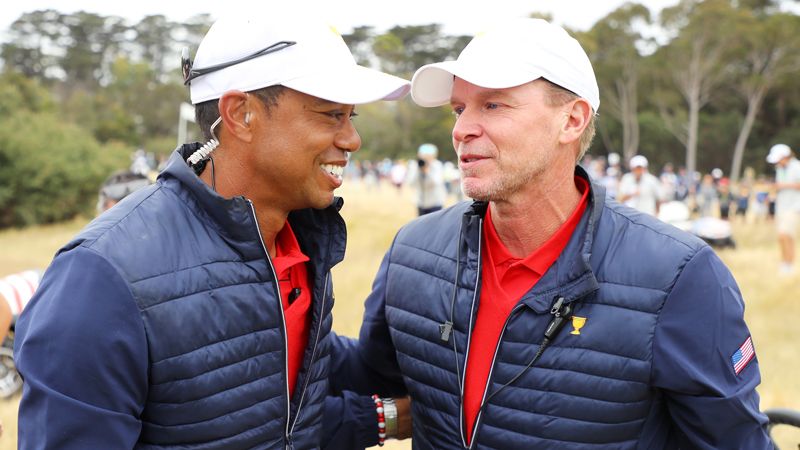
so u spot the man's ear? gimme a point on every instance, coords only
(235, 110)
(578, 115)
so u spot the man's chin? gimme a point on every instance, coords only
(476, 192)
(323, 201)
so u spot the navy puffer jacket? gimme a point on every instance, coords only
(160, 327)
(650, 367)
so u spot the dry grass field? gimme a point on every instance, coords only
(773, 302)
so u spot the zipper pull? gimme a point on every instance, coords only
(561, 313)
(444, 331)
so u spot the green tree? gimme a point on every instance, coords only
(696, 61)
(403, 49)
(768, 52)
(33, 38)
(50, 170)
(155, 41)
(616, 60)
(21, 93)
(360, 44)
(90, 45)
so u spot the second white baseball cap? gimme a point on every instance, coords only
(778, 152)
(510, 54)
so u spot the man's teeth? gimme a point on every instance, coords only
(336, 171)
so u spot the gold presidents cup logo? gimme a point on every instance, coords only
(577, 324)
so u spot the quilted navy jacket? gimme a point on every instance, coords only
(649, 367)
(160, 327)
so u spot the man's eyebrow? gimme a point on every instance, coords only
(502, 94)
(321, 102)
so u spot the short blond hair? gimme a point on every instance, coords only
(558, 96)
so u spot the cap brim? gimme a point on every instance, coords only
(353, 85)
(432, 84)
(774, 159)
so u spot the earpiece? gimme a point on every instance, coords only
(247, 118)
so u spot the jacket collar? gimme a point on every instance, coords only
(319, 232)
(571, 276)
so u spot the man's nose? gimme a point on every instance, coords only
(467, 127)
(348, 138)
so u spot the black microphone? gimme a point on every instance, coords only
(561, 313)
(294, 294)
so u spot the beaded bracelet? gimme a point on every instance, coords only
(381, 420)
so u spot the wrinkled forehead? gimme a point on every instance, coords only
(463, 90)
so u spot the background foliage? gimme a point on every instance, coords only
(702, 84)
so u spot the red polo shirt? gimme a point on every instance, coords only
(505, 279)
(289, 262)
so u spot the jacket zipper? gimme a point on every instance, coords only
(489, 378)
(283, 327)
(313, 352)
(469, 330)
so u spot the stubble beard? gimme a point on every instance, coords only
(501, 188)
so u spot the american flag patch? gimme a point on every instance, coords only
(743, 356)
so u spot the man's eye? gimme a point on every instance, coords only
(458, 110)
(492, 106)
(339, 115)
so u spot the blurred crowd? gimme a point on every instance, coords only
(710, 194)
(634, 183)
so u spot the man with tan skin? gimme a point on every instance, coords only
(196, 313)
(543, 315)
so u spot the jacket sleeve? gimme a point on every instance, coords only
(368, 365)
(349, 422)
(359, 369)
(701, 327)
(81, 350)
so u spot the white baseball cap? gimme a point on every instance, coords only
(282, 46)
(638, 161)
(778, 152)
(511, 54)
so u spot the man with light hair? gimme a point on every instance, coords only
(542, 316)
(787, 202)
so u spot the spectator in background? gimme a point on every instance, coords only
(428, 180)
(761, 198)
(787, 201)
(669, 183)
(640, 189)
(707, 196)
(140, 164)
(726, 198)
(683, 184)
(397, 174)
(742, 201)
(613, 173)
(16, 290)
(118, 186)
(452, 179)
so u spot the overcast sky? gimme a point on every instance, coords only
(457, 16)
